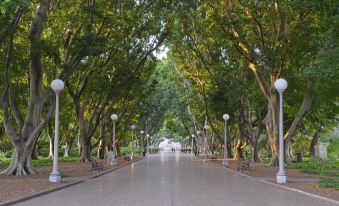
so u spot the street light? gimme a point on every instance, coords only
(133, 128)
(225, 117)
(198, 134)
(142, 149)
(57, 85)
(281, 85)
(114, 118)
(206, 127)
(147, 146)
(192, 143)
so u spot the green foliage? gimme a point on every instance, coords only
(329, 183)
(128, 150)
(8, 153)
(106, 51)
(302, 144)
(315, 166)
(333, 148)
(45, 161)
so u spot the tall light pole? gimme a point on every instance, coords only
(206, 127)
(142, 142)
(281, 85)
(192, 143)
(133, 128)
(57, 86)
(225, 117)
(114, 118)
(147, 144)
(198, 134)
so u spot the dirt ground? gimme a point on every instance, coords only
(13, 187)
(296, 179)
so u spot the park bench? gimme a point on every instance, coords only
(126, 158)
(96, 166)
(214, 157)
(245, 165)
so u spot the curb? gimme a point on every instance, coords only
(274, 184)
(43, 192)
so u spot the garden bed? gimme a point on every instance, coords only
(13, 187)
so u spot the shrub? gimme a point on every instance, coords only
(329, 183)
(8, 154)
(333, 149)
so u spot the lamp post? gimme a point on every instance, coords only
(206, 127)
(114, 118)
(147, 144)
(192, 143)
(281, 85)
(142, 142)
(133, 128)
(225, 117)
(57, 85)
(198, 134)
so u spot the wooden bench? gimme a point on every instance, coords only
(96, 166)
(245, 165)
(126, 158)
(214, 158)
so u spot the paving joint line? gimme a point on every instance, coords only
(44, 192)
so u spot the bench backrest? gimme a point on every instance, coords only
(94, 163)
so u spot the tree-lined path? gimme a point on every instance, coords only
(173, 179)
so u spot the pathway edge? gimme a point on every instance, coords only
(274, 184)
(43, 192)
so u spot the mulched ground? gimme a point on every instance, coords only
(13, 187)
(296, 179)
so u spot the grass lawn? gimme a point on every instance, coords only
(329, 183)
(43, 161)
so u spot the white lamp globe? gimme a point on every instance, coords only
(133, 127)
(226, 117)
(142, 132)
(192, 135)
(147, 135)
(57, 85)
(114, 117)
(280, 85)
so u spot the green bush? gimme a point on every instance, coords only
(8, 154)
(302, 144)
(128, 150)
(329, 183)
(333, 149)
(46, 161)
(318, 167)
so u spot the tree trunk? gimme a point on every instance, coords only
(21, 162)
(117, 146)
(255, 153)
(85, 143)
(229, 150)
(85, 150)
(102, 143)
(314, 142)
(102, 148)
(24, 141)
(69, 145)
(51, 139)
(239, 148)
(271, 123)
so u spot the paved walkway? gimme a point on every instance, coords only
(173, 179)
